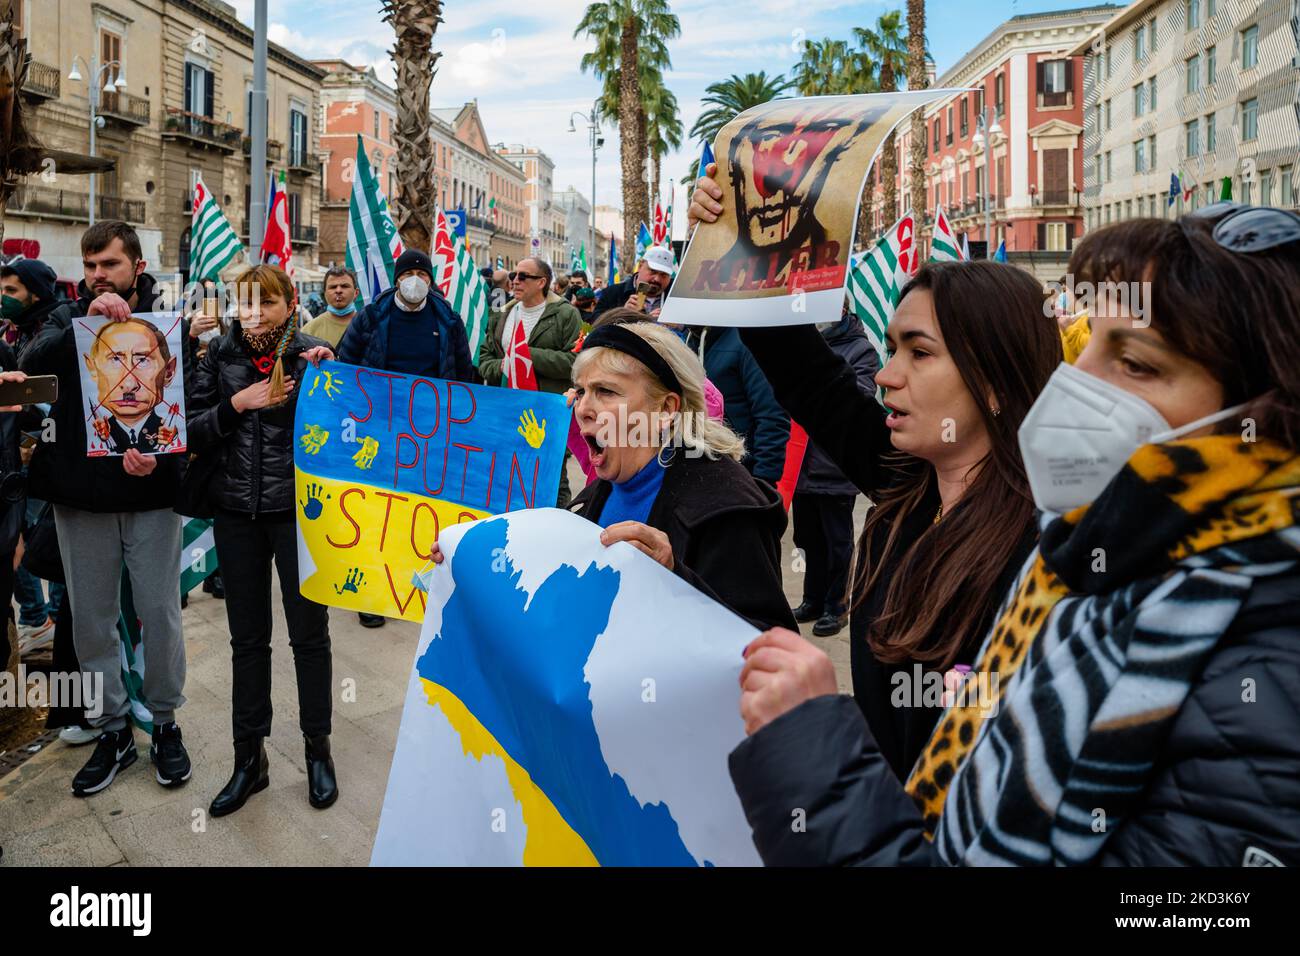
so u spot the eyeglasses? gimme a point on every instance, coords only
(523, 275)
(1249, 229)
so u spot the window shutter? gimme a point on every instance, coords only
(189, 87)
(1069, 76)
(1041, 88)
(208, 84)
(1069, 235)
(1042, 235)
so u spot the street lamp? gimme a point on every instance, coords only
(986, 120)
(597, 141)
(110, 86)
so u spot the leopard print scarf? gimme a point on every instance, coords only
(1058, 687)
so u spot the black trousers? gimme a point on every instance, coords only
(245, 549)
(823, 530)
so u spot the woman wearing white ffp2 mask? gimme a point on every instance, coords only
(1127, 672)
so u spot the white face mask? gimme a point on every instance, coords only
(1081, 431)
(414, 289)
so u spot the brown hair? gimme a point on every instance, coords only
(275, 280)
(621, 315)
(340, 272)
(1235, 314)
(944, 586)
(97, 237)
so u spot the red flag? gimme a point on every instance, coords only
(657, 237)
(276, 246)
(794, 452)
(519, 360)
(444, 255)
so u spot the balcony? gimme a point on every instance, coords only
(74, 206)
(42, 81)
(302, 163)
(303, 235)
(274, 150)
(124, 108)
(202, 130)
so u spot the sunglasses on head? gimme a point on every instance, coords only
(524, 275)
(1251, 228)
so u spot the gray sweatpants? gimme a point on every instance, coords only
(94, 546)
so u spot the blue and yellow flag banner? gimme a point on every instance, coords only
(385, 461)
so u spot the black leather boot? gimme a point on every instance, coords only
(322, 788)
(249, 777)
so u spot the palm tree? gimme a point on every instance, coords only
(663, 126)
(414, 22)
(821, 70)
(623, 31)
(726, 100)
(917, 80)
(887, 45)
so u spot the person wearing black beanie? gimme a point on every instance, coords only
(27, 297)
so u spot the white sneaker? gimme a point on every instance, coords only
(32, 637)
(76, 736)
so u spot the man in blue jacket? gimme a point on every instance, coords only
(410, 329)
(749, 405)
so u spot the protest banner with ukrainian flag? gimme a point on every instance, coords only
(385, 461)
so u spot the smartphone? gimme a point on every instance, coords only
(37, 388)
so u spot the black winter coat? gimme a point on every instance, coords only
(750, 407)
(725, 530)
(366, 340)
(1225, 782)
(823, 395)
(60, 470)
(819, 474)
(255, 474)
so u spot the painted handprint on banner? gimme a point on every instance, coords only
(532, 433)
(313, 439)
(330, 383)
(352, 583)
(313, 506)
(366, 456)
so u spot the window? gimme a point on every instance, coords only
(1245, 190)
(965, 118)
(1152, 161)
(1151, 94)
(1139, 99)
(1192, 137)
(1266, 188)
(937, 121)
(1250, 47)
(1209, 133)
(297, 138)
(1192, 73)
(198, 92)
(948, 138)
(378, 115)
(1098, 171)
(1250, 119)
(1110, 167)
(1108, 63)
(1193, 14)
(110, 47)
(1128, 209)
(1140, 156)
(1151, 35)
(1209, 8)
(1142, 207)
(1140, 44)
(1000, 95)
(1057, 238)
(1055, 83)
(1211, 61)
(295, 212)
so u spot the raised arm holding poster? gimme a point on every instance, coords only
(133, 384)
(792, 171)
(384, 462)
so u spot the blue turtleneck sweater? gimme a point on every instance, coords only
(631, 500)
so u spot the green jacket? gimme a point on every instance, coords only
(551, 345)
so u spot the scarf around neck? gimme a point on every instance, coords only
(1074, 691)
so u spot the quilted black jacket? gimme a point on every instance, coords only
(1225, 790)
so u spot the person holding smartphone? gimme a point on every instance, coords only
(644, 289)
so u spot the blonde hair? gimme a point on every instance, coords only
(710, 436)
(276, 280)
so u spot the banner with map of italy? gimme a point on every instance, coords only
(570, 704)
(386, 461)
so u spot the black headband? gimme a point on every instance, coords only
(624, 340)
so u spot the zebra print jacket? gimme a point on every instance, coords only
(1224, 792)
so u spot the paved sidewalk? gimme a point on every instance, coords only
(137, 822)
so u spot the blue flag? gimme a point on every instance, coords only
(706, 157)
(1001, 254)
(643, 242)
(612, 276)
(1174, 189)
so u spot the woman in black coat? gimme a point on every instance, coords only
(1135, 703)
(241, 411)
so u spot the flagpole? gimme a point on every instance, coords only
(257, 154)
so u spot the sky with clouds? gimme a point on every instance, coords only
(520, 59)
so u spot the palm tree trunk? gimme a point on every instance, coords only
(889, 168)
(414, 22)
(631, 142)
(916, 80)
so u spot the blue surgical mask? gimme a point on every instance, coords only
(346, 310)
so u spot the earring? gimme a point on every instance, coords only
(996, 412)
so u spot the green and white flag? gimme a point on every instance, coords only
(213, 244)
(198, 553)
(579, 259)
(943, 244)
(876, 279)
(370, 232)
(469, 297)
